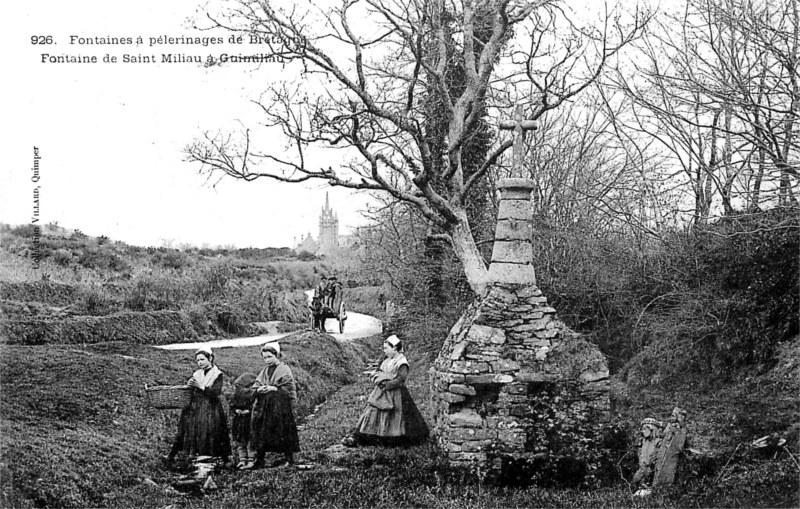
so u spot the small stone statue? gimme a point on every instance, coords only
(650, 437)
(670, 448)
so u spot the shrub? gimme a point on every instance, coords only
(61, 257)
(94, 300)
(47, 292)
(198, 316)
(305, 256)
(752, 262)
(733, 300)
(286, 306)
(153, 292)
(153, 328)
(102, 259)
(367, 299)
(172, 259)
(294, 274)
(26, 231)
(229, 319)
(212, 282)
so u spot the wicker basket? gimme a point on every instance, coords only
(168, 396)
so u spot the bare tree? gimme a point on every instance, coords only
(717, 86)
(379, 62)
(590, 177)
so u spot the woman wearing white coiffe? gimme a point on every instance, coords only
(391, 416)
(203, 379)
(203, 425)
(272, 423)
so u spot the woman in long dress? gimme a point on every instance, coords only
(391, 417)
(203, 425)
(272, 426)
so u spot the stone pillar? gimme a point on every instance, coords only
(512, 255)
(512, 382)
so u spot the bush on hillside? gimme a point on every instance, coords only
(156, 291)
(752, 262)
(295, 275)
(228, 318)
(305, 256)
(286, 306)
(26, 231)
(370, 300)
(734, 299)
(198, 316)
(212, 281)
(46, 292)
(153, 328)
(61, 257)
(172, 259)
(103, 259)
(717, 298)
(96, 300)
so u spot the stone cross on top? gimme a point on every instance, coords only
(519, 125)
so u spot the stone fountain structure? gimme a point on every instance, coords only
(512, 383)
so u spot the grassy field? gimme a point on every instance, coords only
(77, 432)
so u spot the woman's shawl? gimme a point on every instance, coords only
(390, 365)
(205, 379)
(281, 378)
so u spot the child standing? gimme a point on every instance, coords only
(241, 404)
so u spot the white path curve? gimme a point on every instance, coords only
(356, 326)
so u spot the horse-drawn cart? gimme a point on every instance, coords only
(328, 306)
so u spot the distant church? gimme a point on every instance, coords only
(329, 239)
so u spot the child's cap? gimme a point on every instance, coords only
(245, 380)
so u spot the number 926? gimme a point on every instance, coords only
(41, 39)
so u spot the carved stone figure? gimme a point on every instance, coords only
(650, 438)
(670, 448)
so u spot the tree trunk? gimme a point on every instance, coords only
(730, 173)
(469, 255)
(432, 256)
(713, 165)
(786, 196)
(755, 194)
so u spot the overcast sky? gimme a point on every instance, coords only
(111, 136)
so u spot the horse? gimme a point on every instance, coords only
(318, 315)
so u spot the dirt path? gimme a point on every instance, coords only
(357, 326)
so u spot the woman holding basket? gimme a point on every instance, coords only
(203, 425)
(391, 417)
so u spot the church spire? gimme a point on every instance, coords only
(328, 227)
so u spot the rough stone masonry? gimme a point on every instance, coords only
(513, 383)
